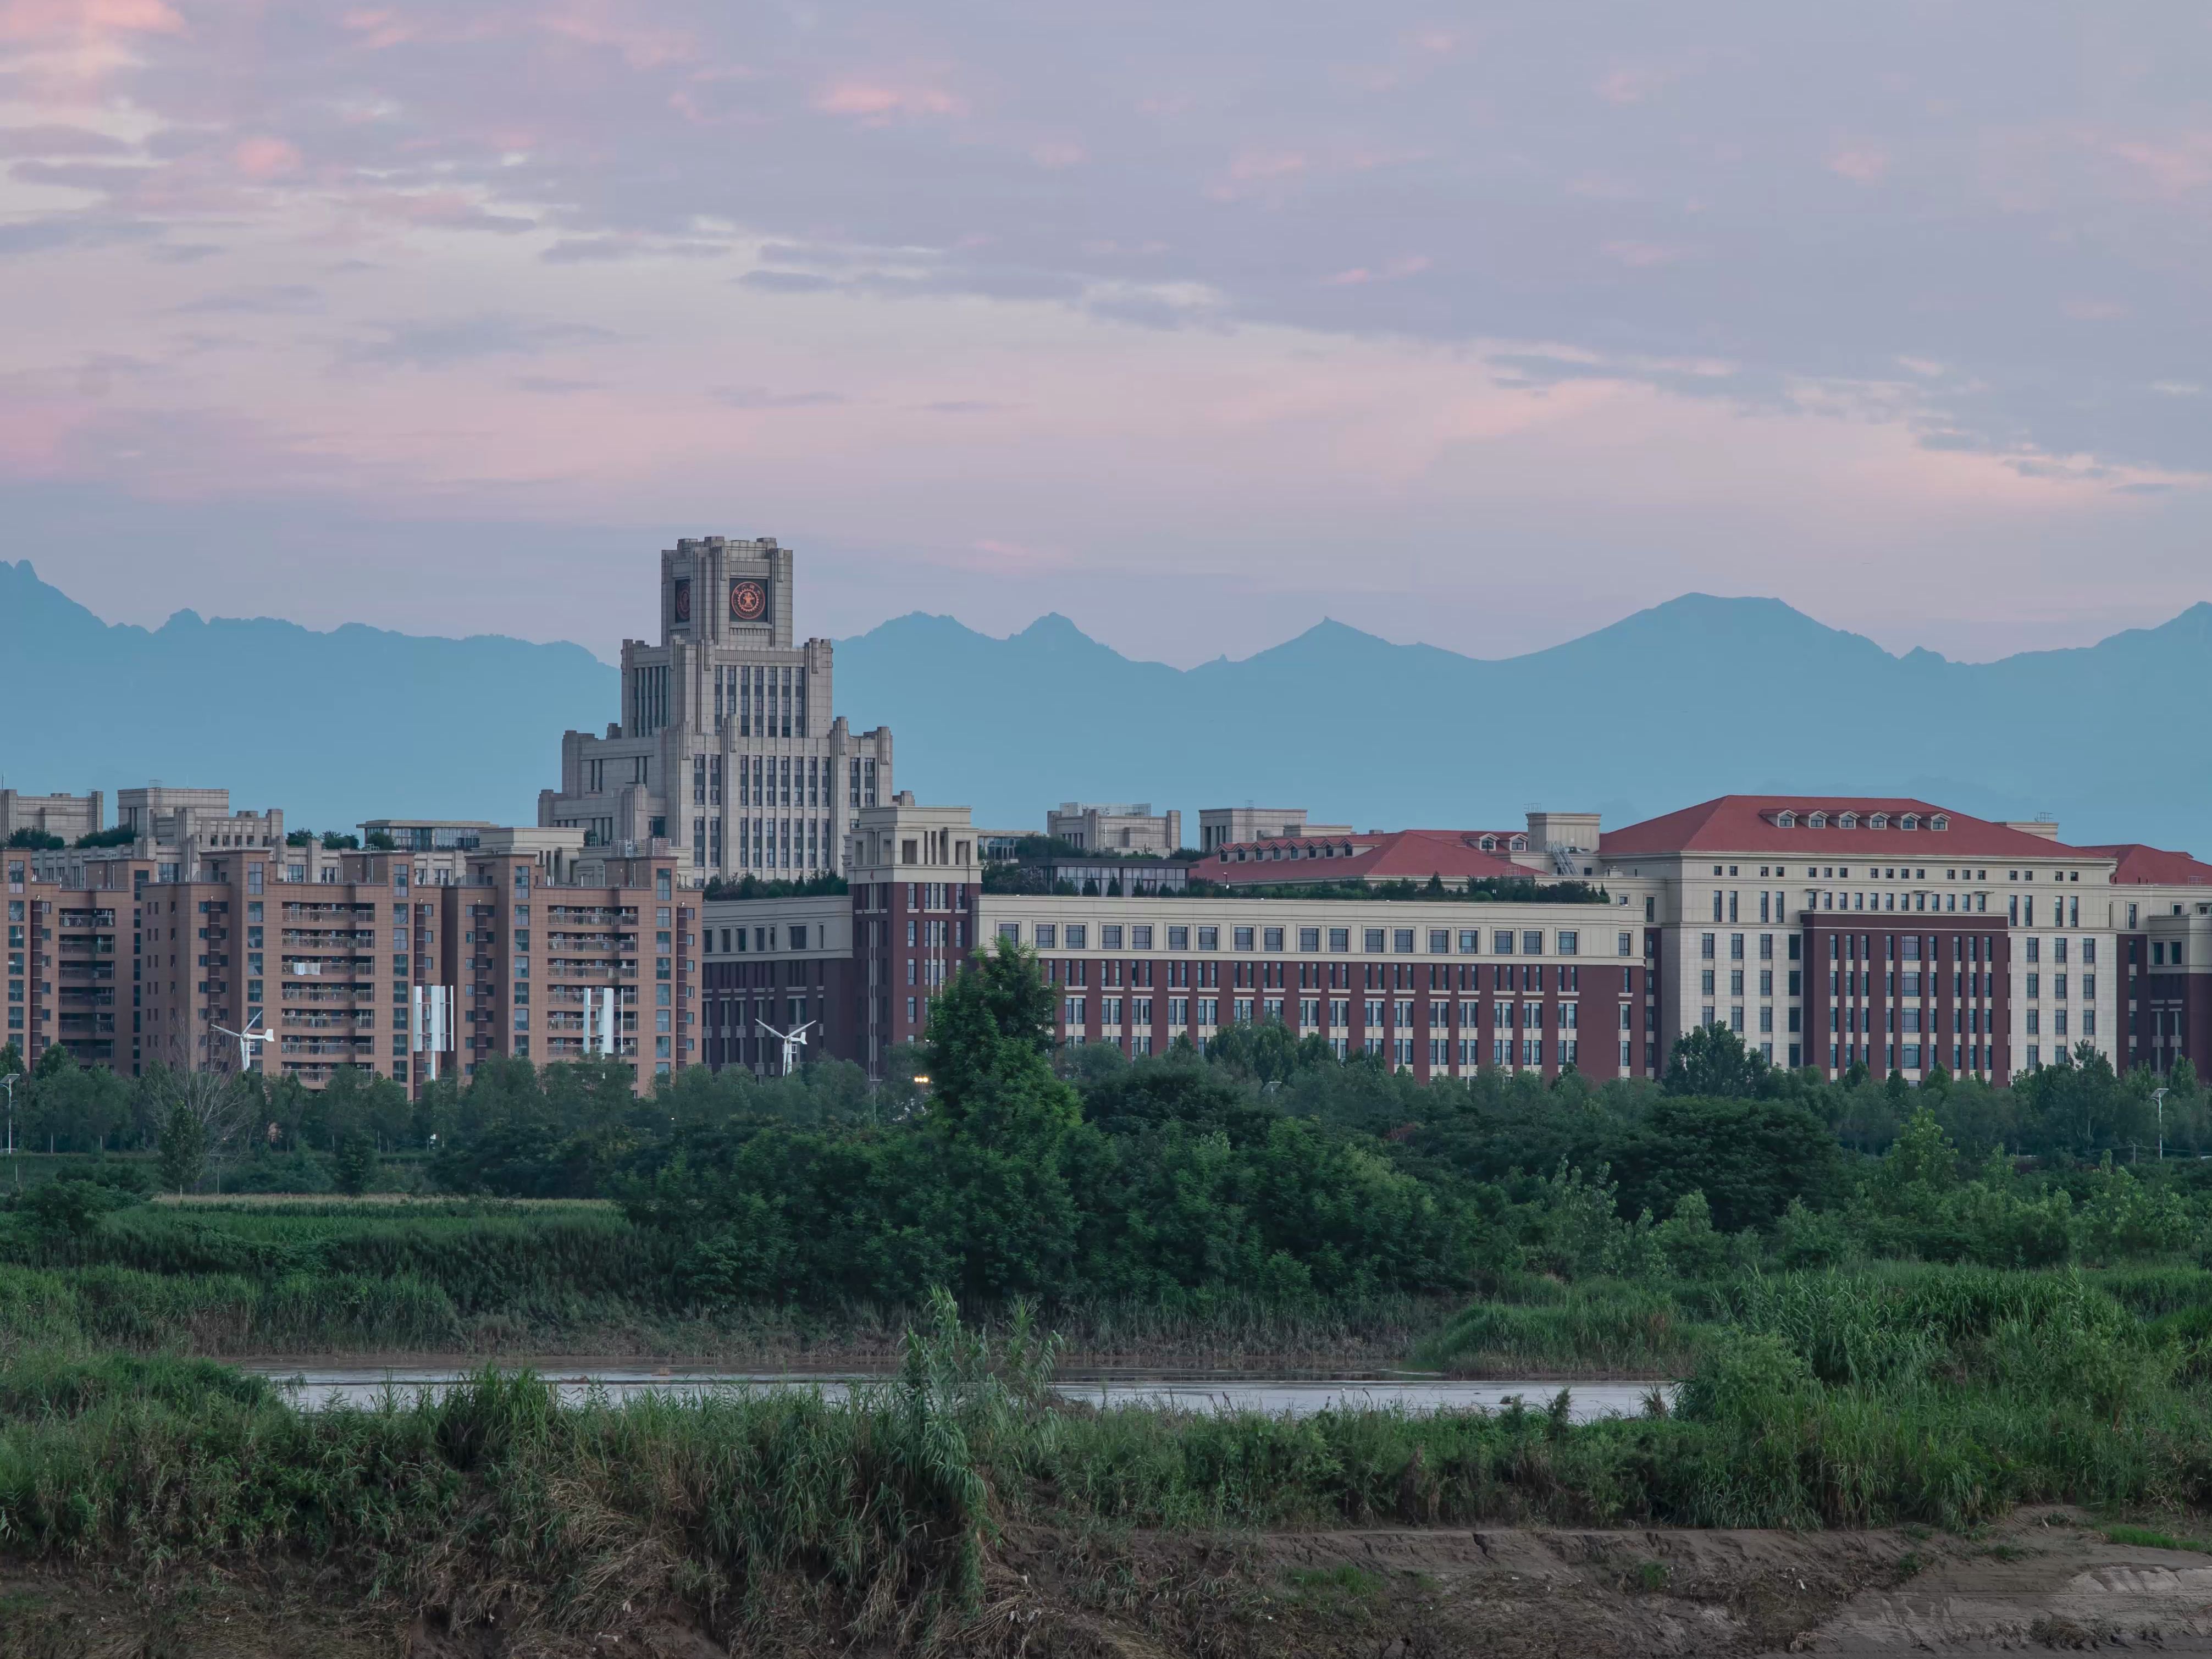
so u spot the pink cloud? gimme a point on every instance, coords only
(266, 158)
(1864, 164)
(1411, 266)
(1639, 255)
(878, 101)
(2174, 168)
(78, 20)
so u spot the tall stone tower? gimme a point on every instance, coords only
(727, 747)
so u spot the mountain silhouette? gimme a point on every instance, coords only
(1698, 696)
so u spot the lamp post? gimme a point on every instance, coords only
(2159, 1095)
(9, 1084)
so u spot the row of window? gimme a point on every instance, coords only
(1377, 1014)
(1440, 941)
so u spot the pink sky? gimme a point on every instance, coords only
(1477, 330)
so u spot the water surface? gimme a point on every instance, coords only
(316, 1387)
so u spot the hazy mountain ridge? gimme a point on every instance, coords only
(1695, 697)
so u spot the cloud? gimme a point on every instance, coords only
(785, 281)
(279, 299)
(266, 157)
(1639, 255)
(1394, 271)
(587, 249)
(876, 100)
(443, 343)
(1863, 164)
(57, 139)
(755, 396)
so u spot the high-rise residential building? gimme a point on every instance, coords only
(728, 747)
(139, 956)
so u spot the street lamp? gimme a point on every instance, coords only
(2159, 1095)
(9, 1084)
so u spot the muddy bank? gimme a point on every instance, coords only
(2040, 1582)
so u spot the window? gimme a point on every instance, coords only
(1209, 938)
(1110, 936)
(1501, 942)
(1078, 935)
(1624, 944)
(1271, 939)
(1706, 944)
(1048, 936)
(1309, 939)
(1178, 938)
(1339, 938)
(1532, 944)
(1470, 940)
(1372, 938)
(1140, 936)
(1440, 941)
(1402, 938)
(1570, 943)
(1243, 938)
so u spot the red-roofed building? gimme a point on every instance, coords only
(2010, 958)
(2164, 911)
(1455, 856)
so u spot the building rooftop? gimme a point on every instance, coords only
(1857, 826)
(1455, 855)
(2140, 864)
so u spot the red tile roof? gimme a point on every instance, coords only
(2139, 863)
(1386, 855)
(1783, 824)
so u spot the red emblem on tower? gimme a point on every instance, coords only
(748, 601)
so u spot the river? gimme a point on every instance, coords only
(315, 1387)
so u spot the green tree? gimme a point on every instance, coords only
(354, 1166)
(184, 1149)
(1712, 1060)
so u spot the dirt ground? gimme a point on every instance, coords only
(2042, 1581)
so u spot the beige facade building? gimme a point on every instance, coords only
(728, 748)
(68, 817)
(1115, 828)
(1225, 826)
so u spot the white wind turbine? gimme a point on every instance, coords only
(792, 1041)
(246, 1040)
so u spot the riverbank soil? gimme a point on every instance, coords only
(2040, 1582)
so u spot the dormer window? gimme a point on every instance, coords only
(1910, 821)
(1520, 843)
(1489, 843)
(1941, 821)
(1879, 821)
(1848, 821)
(1786, 819)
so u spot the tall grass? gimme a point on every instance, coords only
(1895, 1395)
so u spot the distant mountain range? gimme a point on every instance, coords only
(1693, 698)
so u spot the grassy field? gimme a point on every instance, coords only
(1938, 1396)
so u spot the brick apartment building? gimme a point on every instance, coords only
(727, 747)
(136, 955)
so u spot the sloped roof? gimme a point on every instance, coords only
(1783, 824)
(1386, 856)
(2140, 864)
